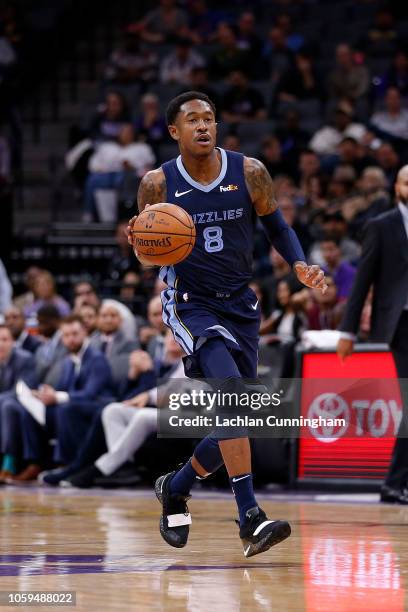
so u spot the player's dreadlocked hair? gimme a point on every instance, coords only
(174, 105)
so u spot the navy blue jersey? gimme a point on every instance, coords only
(223, 214)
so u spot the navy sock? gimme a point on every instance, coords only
(183, 480)
(243, 490)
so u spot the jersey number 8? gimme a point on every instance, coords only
(213, 239)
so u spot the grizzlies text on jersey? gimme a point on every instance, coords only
(223, 215)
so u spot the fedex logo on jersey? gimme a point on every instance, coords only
(229, 188)
(218, 215)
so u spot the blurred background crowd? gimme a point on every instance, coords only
(315, 89)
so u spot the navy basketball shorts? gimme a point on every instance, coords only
(193, 318)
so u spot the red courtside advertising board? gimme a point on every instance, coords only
(364, 390)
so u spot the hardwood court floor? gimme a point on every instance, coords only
(345, 553)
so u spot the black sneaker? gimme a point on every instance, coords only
(259, 534)
(85, 479)
(176, 520)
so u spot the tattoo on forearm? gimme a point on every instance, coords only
(152, 189)
(260, 186)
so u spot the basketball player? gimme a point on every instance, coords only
(214, 316)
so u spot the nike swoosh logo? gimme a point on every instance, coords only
(177, 194)
(246, 550)
(255, 306)
(242, 478)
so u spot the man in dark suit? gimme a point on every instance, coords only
(111, 340)
(384, 264)
(49, 356)
(15, 320)
(15, 365)
(84, 387)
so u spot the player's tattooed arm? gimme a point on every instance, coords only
(260, 186)
(152, 189)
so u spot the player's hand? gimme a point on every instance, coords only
(130, 227)
(345, 347)
(311, 276)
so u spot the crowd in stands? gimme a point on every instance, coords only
(332, 132)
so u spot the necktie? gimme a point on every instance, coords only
(2, 377)
(71, 376)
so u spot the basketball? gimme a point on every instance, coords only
(163, 234)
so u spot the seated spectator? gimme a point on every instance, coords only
(123, 259)
(341, 271)
(348, 79)
(279, 56)
(382, 39)
(397, 75)
(388, 160)
(163, 24)
(241, 102)
(393, 121)
(109, 119)
(308, 166)
(16, 322)
(203, 21)
(45, 293)
(294, 40)
(300, 81)
(342, 184)
(271, 156)
(132, 63)
(85, 293)
(292, 137)
(130, 291)
(249, 41)
(111, 161)
(231, 142)
(176, 68)
(27, 298)
(104, 126)
(89, 315)
(15, 364)
(227, 56)
(371, 200)
(284, 326)
(152, 336)
(289, 212)
(325, 311)
(326, 140)
(112, 341)
(85, 386)
(49, 356)
(353, 153)
(281, 271)
(129, 423)
(315, 194)
(200, 82)
(6, 290)
(150, 124)
(334, 224)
